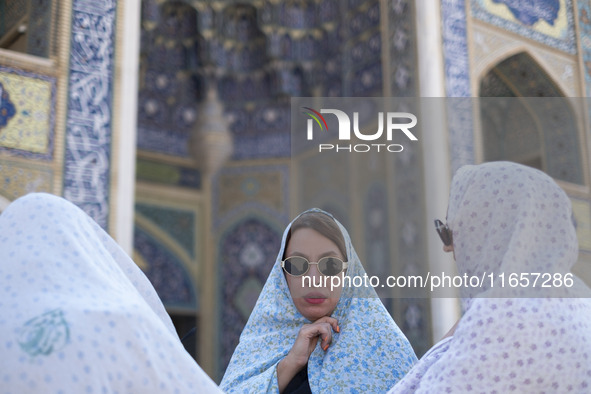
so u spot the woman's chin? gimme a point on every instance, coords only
(313, 309)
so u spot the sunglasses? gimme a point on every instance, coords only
(444, 232)
(298, 266)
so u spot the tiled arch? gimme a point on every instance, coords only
(549, 138)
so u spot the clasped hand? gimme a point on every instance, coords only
(305, 343)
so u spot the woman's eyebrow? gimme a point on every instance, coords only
(299, 254)
(330, 253)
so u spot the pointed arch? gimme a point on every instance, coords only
(525, 118)
(510, 49)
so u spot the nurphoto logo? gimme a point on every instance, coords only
(395, 124)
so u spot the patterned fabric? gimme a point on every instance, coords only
(507, 217)
(369, 354)
(77, 315)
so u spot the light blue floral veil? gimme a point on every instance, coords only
(370, 354)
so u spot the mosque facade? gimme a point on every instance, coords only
(169, 122)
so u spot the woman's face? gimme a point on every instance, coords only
(313, 302)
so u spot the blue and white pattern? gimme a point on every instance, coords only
(528, 14)
(455, 48)
(457, 82)
(370, 354)
(7, 110)
(531, 12)
(77, 315)
(584, 11)
(7, 113)
(88, 129)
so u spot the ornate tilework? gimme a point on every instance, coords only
(402, 41)
(7, 110)
(455, 48)
(457, 82)
(165, 271)
(153, 171)
(533, 12)
(246, 255)
(533, 131)
(364, 60)
(407, 202)
(179, 224)
(238, 191)
(262, 52)
(377, 234)
(26, 114)
(88, 128)
(547, 21)
(170, 89)
(250, 187)
(581, 209)
(260, 132)
(17, 179)
(585, 27)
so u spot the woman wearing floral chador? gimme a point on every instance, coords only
(301, 339)
(506, 220)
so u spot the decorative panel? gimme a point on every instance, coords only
(27, 102)
(168, 174)
(179, 224)
(491, 46)
(547, 21)
(584, 9)
(402, 41)
(538, 132)
(171, 51)
(363, 49)
(18, 179)
(246, 255)
(377, 234)
(457, 82)
(455, 48)
(165, 270)
(89, 116)
(238, 191)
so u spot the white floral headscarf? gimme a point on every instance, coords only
(369, 354)
(509, 218)
(77, 315)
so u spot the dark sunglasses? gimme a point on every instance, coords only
(444, 232)
(298, 266)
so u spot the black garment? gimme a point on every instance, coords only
(299, 384)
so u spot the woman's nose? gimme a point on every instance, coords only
(313, 271)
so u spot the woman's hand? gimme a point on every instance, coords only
(303, 347)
